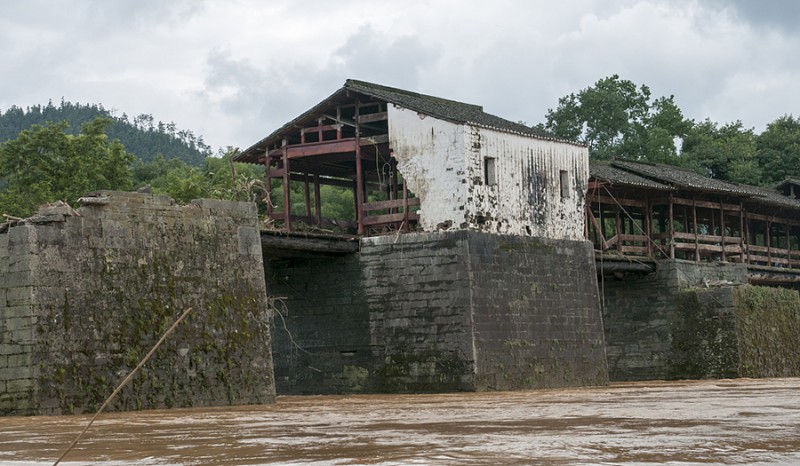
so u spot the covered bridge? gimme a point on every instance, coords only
(657, 211)
(418, 162)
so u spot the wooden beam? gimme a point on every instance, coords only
(706, 204)
(621, 201)
(373, 220)
(375, 140)
(373, 117)
(282, 245)
(380, 205)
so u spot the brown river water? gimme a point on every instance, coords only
(742, 421)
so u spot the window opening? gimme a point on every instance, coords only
(564, 178)
(489, 171)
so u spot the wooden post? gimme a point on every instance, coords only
(768, 241)
(287, 201)
(406, 226)
(747, 233)
(618, 230)
(359, 175)
(604, 219)
(317, 200)
(269, 185)
(742, 238)
(587, 212)
(648, 226)
(307, 193)
(722, 229)
(788, 248)
(338, 122)
(694, 223)
(671, 228)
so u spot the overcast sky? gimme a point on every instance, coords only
(235, 70)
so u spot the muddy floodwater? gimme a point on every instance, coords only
(680, 423)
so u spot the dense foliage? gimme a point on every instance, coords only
(44, 164)
(141, 136)
(618, 119)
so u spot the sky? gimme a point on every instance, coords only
(235, 70)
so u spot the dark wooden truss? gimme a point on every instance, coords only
(345, 143)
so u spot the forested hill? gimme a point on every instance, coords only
(141, 136)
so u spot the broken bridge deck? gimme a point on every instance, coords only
(283, 245)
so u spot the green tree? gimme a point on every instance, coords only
(219, 178)
(142, 136)
(44, 164)
(726, 153)
(778, 149)
(615, 118)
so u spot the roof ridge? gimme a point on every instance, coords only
(351, 83)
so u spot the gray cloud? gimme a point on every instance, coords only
(781, 14)
(261, 98)
(237, 70)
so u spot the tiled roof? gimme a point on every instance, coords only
(450, 110)
(617, 176)
(667, 177)
(443, 109)
(775, 198)
(684, 178)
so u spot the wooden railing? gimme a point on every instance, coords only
(396, 211)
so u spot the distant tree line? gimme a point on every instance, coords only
(141, 136)
(618, 119)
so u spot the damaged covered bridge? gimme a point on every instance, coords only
(472, 271)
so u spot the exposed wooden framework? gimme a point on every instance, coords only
(343, 143)
(695, 225)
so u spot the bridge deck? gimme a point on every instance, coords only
(281, 244)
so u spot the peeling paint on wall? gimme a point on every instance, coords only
(471, 177)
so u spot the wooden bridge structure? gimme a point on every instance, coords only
(637, 210)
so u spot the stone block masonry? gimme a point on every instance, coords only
(435, 312)
(699, 320)
(642, 313)
(85, 294)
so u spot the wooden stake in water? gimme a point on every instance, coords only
(125, 382)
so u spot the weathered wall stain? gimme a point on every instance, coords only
(444, 164)
(670, 325)
(432, 312)
(86, 294)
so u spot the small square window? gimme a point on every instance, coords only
(489, 171)
(565, 185)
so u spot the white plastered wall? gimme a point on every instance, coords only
(527, 197)
(430, 155)
(443, 163)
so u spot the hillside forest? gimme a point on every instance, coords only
(50, 153)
